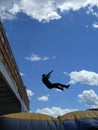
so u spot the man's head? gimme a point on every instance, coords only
(43, 75)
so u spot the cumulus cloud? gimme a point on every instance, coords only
(29, 92)
(43, 10)
(54, 111)
(44, 98)
(84, 77)
(89, 97)
(36, 57)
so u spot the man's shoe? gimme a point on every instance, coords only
(68, 86)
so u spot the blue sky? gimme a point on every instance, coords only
(55, 35)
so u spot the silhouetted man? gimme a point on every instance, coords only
(45, 80)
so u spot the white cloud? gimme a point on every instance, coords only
(45, 58)
(58, 90)
(29, 92)
(5, 12)
(44, 98)
(66, 73)
(54, 111)
(89, 97)
(36, 57)
(22, 74)
(44, 10)
(92, 11)
(84, 77)
(95, 25)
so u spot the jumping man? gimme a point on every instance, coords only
(45, 80)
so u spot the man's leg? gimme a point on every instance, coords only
(58, 86)
(63, 85)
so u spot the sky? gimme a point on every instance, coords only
(59, 35)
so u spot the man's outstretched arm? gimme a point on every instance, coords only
(48, 75)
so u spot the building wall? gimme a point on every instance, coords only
(7, 58)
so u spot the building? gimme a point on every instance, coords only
(13, 96)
